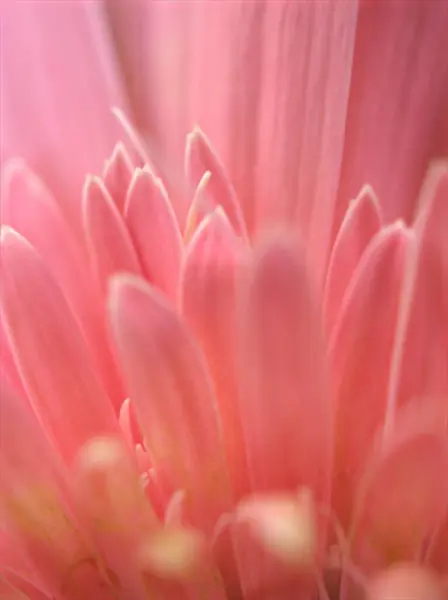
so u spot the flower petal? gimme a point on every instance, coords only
(65, 130)
(171, 392)
(35, 506)
(119, 515)
(29, 208)
(403, 496)
(154, 231)
(108, 241)
(117, 175)
(360, 353)
(200, 158)
(406, 581)
(361, 222)
(285, 402)
(50, 350)
(211, 272)
(398, 99)
(307, 59)
(420, 357)
(8, 367)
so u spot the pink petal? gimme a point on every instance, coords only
(35, 506)
(201, 158)
(108, 241)
(12, 558)
(128, 423)
(118, 174)
(403, 496)
(50, 350)
(200, 207)
(361, 222)
(13, 587)
(8, 366)
(420, 359)
(171, 393)
(54, 113)
(360, 352)
(30, 209)
(397, 112)
(307, 55)
(285, 402)
(406, 581)
(438, 552)
(212, 269)
(119, 515)
(154, 231)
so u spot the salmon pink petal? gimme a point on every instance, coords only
(212, 269)
(35, 506)
(171, 392)
(50, 350)
(403, 496)
(361, 222)
(29, 208)
(154, 231)
(420, 358)
(128, 423)
(67, 129)
(284, 402)
(201, 158)
(108, 241)
(200, 207)
(119, 514)
(8, 367)
(12, 558)
(13, 587)
(406, 581)
(437, 555)
(117, 175)
(360, 353)
(400, 53)
(306, 51)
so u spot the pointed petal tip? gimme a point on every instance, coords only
(9, 237)
(195, 133)
(122, 289)
(17, 178)
(14, 166)
(367, 193)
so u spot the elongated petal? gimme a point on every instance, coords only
(119, 514)
(154, 230)
(437, 555)
(307, 59)
(200, 158)
(361, 223)
(35, 506)
(30, 209)
(212, 270)
(200, 207)
(406, 581)
(421, 348)
(285, 402)
(360, 353)
(54, 113)
(397, 113)
(118, 174)
(171, 392)
(108, 241)
(403, 495)
(53, 358)
(8, 367)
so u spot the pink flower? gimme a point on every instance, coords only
(198, 403)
